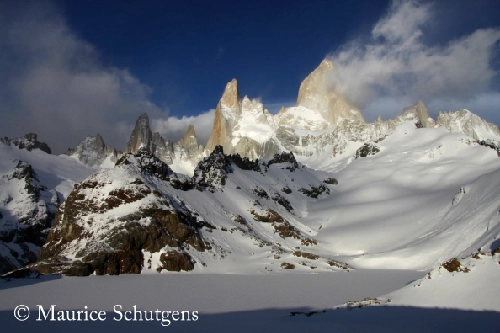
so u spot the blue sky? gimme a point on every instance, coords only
(75, 68)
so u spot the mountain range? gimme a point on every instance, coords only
(311, 187)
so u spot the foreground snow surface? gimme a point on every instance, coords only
(249, 303)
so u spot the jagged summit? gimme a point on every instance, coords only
(28, 141)
(231, 98)
(141, 135)
(316, 94)
(182, 156)
(92, 151)
(471, 124)
(419, 112)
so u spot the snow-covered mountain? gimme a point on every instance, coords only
(312, 187)
(92, 151)
(28, 142)
(181, 156)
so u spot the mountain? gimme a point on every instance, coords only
(464, 121)
(317, 96)
(314, 187)
(181, 156)
(27, 209)
(28, 142)
(409, 201)
(92, 151)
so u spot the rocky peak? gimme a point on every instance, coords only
(189, 143)
(85, 240)
(471, 124)
(141, 135)
(316, 94)
(212, 171)
(226, 112)
(231, 98)
(29, 142)
(92, 151)
(30, 209)
(420, 113)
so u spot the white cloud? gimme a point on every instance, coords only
(54, 83)
(395, 63)
(173, 128)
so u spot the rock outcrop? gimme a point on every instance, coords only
(112, 217)
(186, 151)
(316, 94)
(419, 113)
(92, 151)
(27, 210)
(242, 126)
(141, 136)
(471, 124)
(28, 141)
(226, 113)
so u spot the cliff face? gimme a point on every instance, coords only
(28, 141)
(226, 113)
(92, 151)
(316, 94)
(420, 113)
(141, 135)
(469, 123)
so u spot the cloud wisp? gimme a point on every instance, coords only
(394, 62)
(173, 128)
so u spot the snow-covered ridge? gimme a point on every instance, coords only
(28, 142)
(93, 152)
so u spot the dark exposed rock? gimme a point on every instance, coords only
(308, 242)
(331, 181)
(175, 261)
(244, 163)
(286, 190)
(287, 265)
(260, 193)
(25, 231)
(93, 151)
(115, 246)
(315, 191)
(282, 201)
(28, 142)
(339, 264)
(284, 157)
(284, 229)
(366, 150)
(454, 265)
(271, 216)
(212, 171)
(240, 219)
(491, 145)
(306, 255)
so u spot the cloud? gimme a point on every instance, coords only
(54, 83)
(173, 128)
(395, 62)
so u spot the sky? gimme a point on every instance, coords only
(76, 68)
